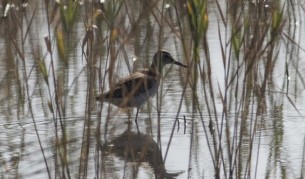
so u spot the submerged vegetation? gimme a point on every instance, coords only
(245, 67)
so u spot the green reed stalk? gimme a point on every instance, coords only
(198, 21)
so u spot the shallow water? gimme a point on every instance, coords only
(171, 127)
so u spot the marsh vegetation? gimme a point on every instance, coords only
(235, 112)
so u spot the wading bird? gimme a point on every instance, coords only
(135, 89)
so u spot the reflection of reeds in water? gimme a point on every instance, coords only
(249, 50)
(250, 36)
(138, 148)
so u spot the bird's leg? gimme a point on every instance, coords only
(129, 115)
(137, 120)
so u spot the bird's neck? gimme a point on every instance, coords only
(155, 68)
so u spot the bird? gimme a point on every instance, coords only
(135, 89)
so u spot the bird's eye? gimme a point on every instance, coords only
(168, 56)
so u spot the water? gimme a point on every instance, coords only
(174, 138)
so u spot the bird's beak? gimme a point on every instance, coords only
(179, 64)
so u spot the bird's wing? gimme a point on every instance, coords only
(135, 84)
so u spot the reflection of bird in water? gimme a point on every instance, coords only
(137, 147)
(135, 89)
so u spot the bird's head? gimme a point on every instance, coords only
(161, 58)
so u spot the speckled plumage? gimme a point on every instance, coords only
(135, 89)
